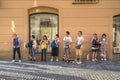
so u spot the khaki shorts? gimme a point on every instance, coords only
(79, 52)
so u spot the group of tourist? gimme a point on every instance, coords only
(98, 45)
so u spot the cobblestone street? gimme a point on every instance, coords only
(108, 70)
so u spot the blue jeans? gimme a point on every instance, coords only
(32, 52)
(43, 55)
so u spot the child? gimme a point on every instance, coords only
(103, 47)
(55, 46)
(67, 42)
(44, 43)
(95, 47)
(32, 48)
(79, 46)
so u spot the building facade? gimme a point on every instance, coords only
(39, 17)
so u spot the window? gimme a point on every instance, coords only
(116, 34)
(44, 24)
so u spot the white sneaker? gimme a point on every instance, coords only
(105, 59)
(19, 61)
(57, 60)
(80, 62)
(13, 61)
(101, 59)
(73, 62)
(51, 60)
(93, 60)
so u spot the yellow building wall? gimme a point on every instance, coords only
(88, 18)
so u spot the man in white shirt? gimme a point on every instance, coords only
(79, 46)
(32, 48)
(67, 42)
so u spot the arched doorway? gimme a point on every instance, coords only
(116, 34)
(43, 21)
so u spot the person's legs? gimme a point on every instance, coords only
(30, 53)
(52, 54)
(80, 55)
(96, 54)
(14, 52)
(56, 58)
(44, 53)
(65, 50)
(101, 53)
(56, 54)
(68, 56)
(42, 56)
(77, 53)
(52, 58)
(19, 54)
(34, 54)
(105, 53)
(68, 53)
(93, 55)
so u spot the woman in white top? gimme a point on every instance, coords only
(103, 47)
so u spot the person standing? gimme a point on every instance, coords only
(55, 46)
(43, 44)
(32, 48)
(79, 47)
(95, 47)
(16, 47)
(67, 42)
(103, 47)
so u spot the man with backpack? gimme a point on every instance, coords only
(32, 48)
(16, 47)
(55, 46)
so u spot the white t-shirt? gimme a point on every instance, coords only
(34, 43)
(80, 40)
(58, 40)
(67, 39)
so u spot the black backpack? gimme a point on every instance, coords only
(95, 43)
(30, 44)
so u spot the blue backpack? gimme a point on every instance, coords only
(16, 42)
(53, 44)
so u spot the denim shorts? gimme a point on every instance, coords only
(67, 50)
(32, 52)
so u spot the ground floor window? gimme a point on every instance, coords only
(116, 34)
(44, 24)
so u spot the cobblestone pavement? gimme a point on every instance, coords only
(108, 70)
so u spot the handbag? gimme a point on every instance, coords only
(78, 47)
(67, 46)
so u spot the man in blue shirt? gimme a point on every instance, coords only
(16, 47)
